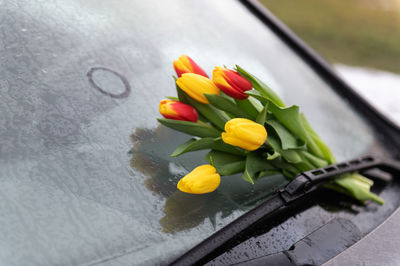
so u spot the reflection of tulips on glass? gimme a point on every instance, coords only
(248, 129)
(182, 210)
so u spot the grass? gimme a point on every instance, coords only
(353, 32)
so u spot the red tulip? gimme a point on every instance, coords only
(185, 64)
(178, 111)
(231, 83)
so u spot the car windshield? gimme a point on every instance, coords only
(86, 176)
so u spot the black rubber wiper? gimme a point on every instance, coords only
(300, 187)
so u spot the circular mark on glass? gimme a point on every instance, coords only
(109, 82)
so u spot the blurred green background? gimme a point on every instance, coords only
(352, 32)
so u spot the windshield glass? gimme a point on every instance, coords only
(86, 176)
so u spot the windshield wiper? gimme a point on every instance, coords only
(300, 187)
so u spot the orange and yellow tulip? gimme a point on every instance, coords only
(185, 64)
(231, 83)
(178, 111)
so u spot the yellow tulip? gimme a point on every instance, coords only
(244, 133)
(202, 179)
(196, 85)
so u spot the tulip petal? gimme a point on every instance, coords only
(185, 64)
(185, 85)
(196, 85)
(186, 112)
(195, 68)
(244, 133)
(208, 184)
(202, 179)
(254, 133)
(204, 169)
(166, 110)
(237, 81)
(231, 83)
(176, 110)
(180, 68)
(231, 140)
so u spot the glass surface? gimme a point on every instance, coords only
(85, 172)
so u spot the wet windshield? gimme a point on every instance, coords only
(86, 176)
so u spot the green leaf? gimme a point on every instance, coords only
(226, 105)
(262, 116)
(273, 156)
(256, 104)
(261, 87)
(219, 145)
(193, 145)
(296, 122)
(215, 116)
(202, 118)
(327, 153)
(172, 98)
(249, 106)
(181, 94)
(205, 143)
(288, 169)
(273, 140)
(291, 156)
(225, 163)
(256, 94)
(291, 119)
(255, 164)
(191, 128)
(288, 140)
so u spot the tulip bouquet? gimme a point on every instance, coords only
(248, 129)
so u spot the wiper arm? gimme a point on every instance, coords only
(299, 187)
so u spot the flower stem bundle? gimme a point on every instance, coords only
(248, 130)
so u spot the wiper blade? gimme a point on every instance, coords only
(299, 187)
